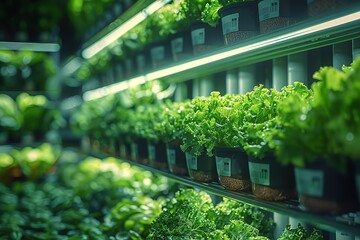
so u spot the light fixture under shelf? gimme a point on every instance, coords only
(113, 88)
(111, 37)
(30, 46)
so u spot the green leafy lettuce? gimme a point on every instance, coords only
(261, 116)
(326, 125)
(191, 215)
(300, 233)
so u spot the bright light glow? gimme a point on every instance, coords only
(152, 8)
(32, 46)
(136, 81)
(70, 67)
(71, 102)
(122, 29)
(113, 88)
(255, 46)
(167, 92)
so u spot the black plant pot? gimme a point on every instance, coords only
(233, 169)
(142, 62)
(239, 21)
(276, 15)
(270, 180)
(129, 63)
(124, 149)
(139, 151)
(157, 155)
(181, 45)
(205, 38)
(119, 70)
(202, 168)
(176, 160)
(323, 189)
(160, 53)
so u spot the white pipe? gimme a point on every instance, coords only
(356, 48)
(232, 83)
(342, 54)
(247, 79)
(281, 221)
(297, 68)
(279, 73)
(207, 85)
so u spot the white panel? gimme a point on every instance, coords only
(247, 79)
(279, 73)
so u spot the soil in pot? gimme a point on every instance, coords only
(205, 38)
(277, 14)
(181, 46)
(157, 155)
(176, 160)
(139, 151)
(239, 21)
(322, 189)
(270, 180)
(201, 168)
(322, 7)
(232, 168)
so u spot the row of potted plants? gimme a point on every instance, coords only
(184, 28)
(25, 70)
(27, 118)
(30, 162)
(268, 132)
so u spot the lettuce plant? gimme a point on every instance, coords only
(172, 120)
(148, 122)
(300, 233)
(261, 116)
(210, 14)
(165, 22)
(326, 126)
(191, 215)
(215, 122)
(192, 9)
(195, 122)
(28, 114)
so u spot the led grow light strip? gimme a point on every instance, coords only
(113, 88)
(98, 93)
(31, 46)
(122, 29)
